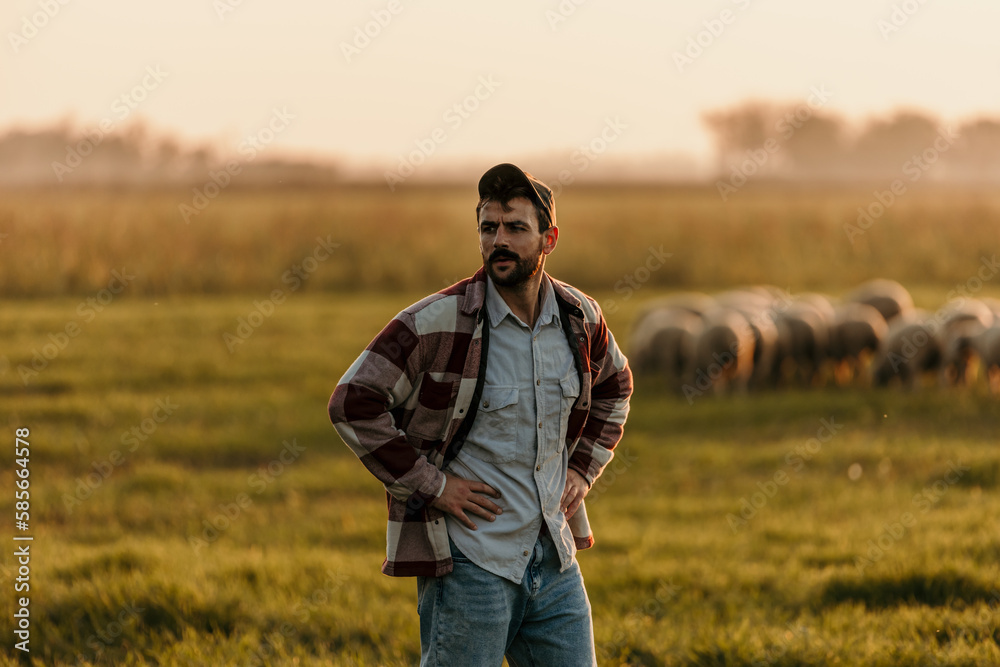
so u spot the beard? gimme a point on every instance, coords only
(523, 269)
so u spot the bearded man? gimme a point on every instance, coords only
(488, 410)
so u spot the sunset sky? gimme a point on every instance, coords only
(225, 66)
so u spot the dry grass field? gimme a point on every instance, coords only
(67, 242)
(192, 505)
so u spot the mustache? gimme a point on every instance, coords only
(499, 253)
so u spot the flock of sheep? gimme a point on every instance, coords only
(762, 337)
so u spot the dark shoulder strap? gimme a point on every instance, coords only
(574, 344)
(463, 430)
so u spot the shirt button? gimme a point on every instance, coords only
(539, 424)
(486, 404)
(525, 553)
(538, 467)
(538, 382)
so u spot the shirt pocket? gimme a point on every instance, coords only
(570, 389)
(430, 419)
(495, 432)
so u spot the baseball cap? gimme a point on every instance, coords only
(505, 176)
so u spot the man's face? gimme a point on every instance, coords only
(513, 249)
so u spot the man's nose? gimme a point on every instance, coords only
(500, 240)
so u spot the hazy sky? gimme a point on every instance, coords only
(226, 65)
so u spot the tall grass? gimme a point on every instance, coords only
(66, 242)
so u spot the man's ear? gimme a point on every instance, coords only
(550, 236)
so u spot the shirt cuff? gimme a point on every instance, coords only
(443, 483)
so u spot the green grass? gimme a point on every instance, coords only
(132, 573)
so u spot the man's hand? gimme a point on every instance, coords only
(576, 490)
(460, 495)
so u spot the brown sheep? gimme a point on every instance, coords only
(987, 345)
(723, 354)
(755, 305)
(959, 323)
(802, 343)
(909, 350)
(855, 336)
(887, 296)
(663, 344)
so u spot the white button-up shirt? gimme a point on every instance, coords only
(517, 443)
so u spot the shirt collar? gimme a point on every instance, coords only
(498, 309)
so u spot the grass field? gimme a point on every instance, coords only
(68, 242)
(191, 503)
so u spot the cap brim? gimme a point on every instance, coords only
(502, 176)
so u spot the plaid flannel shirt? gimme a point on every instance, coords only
(405, 405)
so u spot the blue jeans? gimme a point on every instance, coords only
(473, 618)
